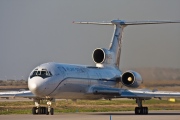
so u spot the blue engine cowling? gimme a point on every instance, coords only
(131, 79)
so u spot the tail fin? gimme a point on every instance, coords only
(116, 42)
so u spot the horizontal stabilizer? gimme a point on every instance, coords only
(95, 23)
(149, 22)
(125, 23)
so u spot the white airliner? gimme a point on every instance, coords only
(51, 81)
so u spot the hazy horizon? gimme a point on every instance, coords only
(38, 31)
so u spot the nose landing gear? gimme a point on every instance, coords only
(42, 110)
(49, 109)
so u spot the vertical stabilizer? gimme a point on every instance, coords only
(116, 42)
(103, 57)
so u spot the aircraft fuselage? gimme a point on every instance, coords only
(71, 81)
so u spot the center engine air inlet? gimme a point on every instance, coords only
(99, 55)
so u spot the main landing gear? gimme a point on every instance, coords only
(42, 110)
(140, 110)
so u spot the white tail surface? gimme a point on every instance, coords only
(116, 42)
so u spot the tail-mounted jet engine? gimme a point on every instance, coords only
(131, 79)
(102, 56)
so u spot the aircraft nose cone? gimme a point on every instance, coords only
(33, 87)
(36, 85)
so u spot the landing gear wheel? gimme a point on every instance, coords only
(42, 110)
(141, 110)
(34, 110)
(137, 110)
(39, 110)
(52, 111)
(146, 109)
(46, 111)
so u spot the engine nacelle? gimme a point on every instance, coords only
(131, 79)
(102, 56)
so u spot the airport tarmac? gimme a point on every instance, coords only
(153, 115)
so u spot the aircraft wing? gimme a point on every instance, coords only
(25, 94)
(148, 93)
(125, 93)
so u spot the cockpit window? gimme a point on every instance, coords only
(50, 73)
(41, 73)
(34, 73)
(38, 72)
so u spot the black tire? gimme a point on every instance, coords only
(142, 110)
(39, 110)
(46, 111)
(52, 111)
(136, 110)
(34, 110)
(146, 110)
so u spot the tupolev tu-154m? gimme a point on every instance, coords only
(50, 81)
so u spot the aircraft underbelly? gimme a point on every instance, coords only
(71, 88)
(78, 88)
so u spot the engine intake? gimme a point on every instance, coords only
(103, 56)
(131, 79)
(99, 55)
